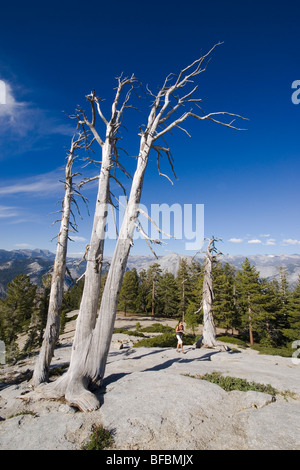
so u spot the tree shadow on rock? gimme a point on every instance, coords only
(170, 362)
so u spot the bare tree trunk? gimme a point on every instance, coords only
(89, 303)
(250, 323)
(51, 334)
(90, 296)
(102, 334)
(209, 338)
(183, 298)
(90, 350)
(89, 356)
(209, 330)
(153, 296)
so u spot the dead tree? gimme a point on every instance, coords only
(89, 355)
(51, 334)
(94, 252)
(209, 338)
(109, 160)
(209, 331)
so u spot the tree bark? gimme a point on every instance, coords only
(89, 356)
(41, 370)
(209, 339)
(209, 330)
(86, 319)
(250, 322)
(153, 296)
(91, 345)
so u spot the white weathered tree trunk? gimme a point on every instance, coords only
(90, 349)
(89, 303)
(209, 338)
(90, 296)
(51, 334)
(102, 334)
(89, 353)
(209, 331)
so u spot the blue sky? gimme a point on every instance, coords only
(53, 54)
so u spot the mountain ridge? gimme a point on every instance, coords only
(38, 262)
(268, 266)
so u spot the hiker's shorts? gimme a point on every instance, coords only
(179, 339)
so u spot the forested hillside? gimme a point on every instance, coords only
(254, 309)
(34, 263)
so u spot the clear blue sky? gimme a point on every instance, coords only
(54, 53)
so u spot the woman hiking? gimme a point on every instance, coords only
(179, 336)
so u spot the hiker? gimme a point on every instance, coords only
(179, 335)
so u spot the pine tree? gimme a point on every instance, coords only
(224, 306)
(184, 281)
(17, 311)
(249, 297)
(284, 286)
(153, 275)
(72, 297)
(2, 335)
(270, 319)
(292, 332)
(194, 314)
(285, 299)
(39, 315)
(168, 295)
(144, 291)
(129, 292)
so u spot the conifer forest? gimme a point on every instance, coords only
(261, 313)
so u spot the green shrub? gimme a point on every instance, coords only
(233, 383)
(25, 412)
(233, 340)
(158, 328)
(128, 332)
(165, 340)
(284, 352)
(100, 439)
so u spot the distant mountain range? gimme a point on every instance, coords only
(267, 265)
(36, 263)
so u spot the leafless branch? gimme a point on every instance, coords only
(147, 238)
(118, 182)
(87, 180)
(141, 211)
(159, 151)
(84, 256)
(170, 99)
